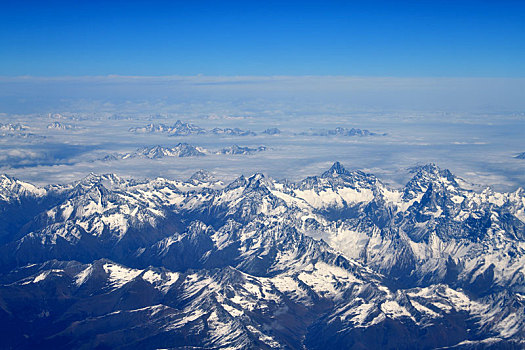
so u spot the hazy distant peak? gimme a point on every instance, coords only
(202, 176)
(272, 131)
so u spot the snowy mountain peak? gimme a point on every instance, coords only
(432, 171)
(430, 176)
(178, 129)
(180, 150)
(256, 177)
(202, 176)
(182, 129)
(241, 181)
(12, 189)
(6, 179)
(108, 181)
(427, 168)
(235, 150)
(157, 152)
(60, 126)
(93, 178)
(272, 131)
(12, 127)
(256, 180)
(335, 170)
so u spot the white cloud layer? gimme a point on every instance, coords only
(29, 94)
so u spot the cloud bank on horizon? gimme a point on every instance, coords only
(28, 94)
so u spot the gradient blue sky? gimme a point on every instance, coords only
(361, 38)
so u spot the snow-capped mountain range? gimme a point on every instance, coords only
(232, 132)
(339, 131)
(60, 126)
(181, 128)
(157, 152)
(241, 150)
(272, 131)
(181, 150)
(12, 127)
(178, 129)
(337, 261)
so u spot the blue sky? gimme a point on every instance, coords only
(362, 38)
